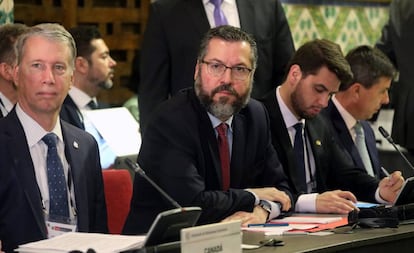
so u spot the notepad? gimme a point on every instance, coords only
(102, 243)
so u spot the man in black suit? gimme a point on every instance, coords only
(8, 93)
(315, 73)
(396, 42)
(94, 70)
(358, 101)
(180, 149)
(43, 75)
(174, 31)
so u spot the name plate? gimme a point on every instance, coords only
(213, 238)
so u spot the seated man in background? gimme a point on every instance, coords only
(94, 70)
(210, 146)
(318, 170)
(50, 175)
(358, 101)
(8, 93)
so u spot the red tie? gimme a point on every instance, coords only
(223, 145)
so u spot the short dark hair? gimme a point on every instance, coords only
(83, 36)
(8, 36)
(318, 53)
(228, 33)
(368, 64)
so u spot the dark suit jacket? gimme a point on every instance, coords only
(344, 139)
(334, 168)
(396, 42)
(21, 213)
(180, 152)
(70, 113)
(172, 39)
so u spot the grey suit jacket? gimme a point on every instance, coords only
(21, 212)
(172, 38)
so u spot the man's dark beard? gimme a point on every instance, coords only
(222, 109)
(106, 85)
(296, 107)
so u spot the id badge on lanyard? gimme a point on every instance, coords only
(60, 225)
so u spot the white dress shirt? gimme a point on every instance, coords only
(38, 151)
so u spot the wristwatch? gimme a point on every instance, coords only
(266, 206)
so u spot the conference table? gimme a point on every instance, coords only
(344, 239)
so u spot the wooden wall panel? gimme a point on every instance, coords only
(121, 22)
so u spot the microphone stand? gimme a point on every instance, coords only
(139, 170)
(387, 136)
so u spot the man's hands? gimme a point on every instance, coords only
(390, 186)
(259, 215)
(273, 194)
(341, 202)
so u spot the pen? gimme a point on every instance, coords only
(385, 171)
(268, 225)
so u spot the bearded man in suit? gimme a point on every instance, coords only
(181, 147)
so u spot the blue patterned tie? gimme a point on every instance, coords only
(299, 151)
(58, 194)
(219, 18)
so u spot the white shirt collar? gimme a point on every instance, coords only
(80, 98)
(289, 118)
(8, 105)
(33, 131)
(350, 121)
(215, 121)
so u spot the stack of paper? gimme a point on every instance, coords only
(300, 224)
(101, 243)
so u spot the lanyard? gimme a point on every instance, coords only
(69, 185)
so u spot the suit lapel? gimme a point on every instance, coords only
(317, 144)
(344, 135)
(195, 10)
(23, 166)
(280, 138)
(209, 142)
(238, 148)
(246, 11)
(73, 113)
(74, 150)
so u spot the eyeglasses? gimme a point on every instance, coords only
(237, 72)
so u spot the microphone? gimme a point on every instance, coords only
(139, 170)
(390, 140)
(167, 225)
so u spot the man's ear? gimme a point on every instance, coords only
(81, 64)
(294, 74)
(6, 71)
(15, 73)
(197, 68)
(355, 90)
